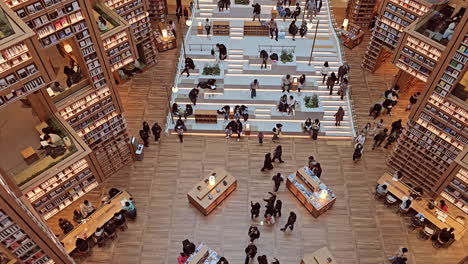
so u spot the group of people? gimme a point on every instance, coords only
(145, 133)
(311, 127)
(178, 112)
(332, 79)
(268, 162)
(287, 104)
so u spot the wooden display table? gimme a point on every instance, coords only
(400, 190)
(307, 187)
(352, 36)
(221, 28)
(206, 197)
(203, 255)
(321, 256)
(165, 43)
(206, 116)
(255, 28)
(98, 219)
(29, 155)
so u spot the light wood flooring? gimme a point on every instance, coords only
(357, 230)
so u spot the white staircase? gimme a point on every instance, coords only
(235, 61)
(236, 32)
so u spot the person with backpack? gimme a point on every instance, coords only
(256, 11)
(293, 30)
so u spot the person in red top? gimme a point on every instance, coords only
(443, 206)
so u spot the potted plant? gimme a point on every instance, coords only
(311, 101)
(242, 2)
(212, 70)
(287, 56)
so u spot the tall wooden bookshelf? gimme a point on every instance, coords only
(157, 10)
(360, 12)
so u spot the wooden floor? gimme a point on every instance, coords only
(357, 229)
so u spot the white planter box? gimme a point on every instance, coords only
(303, 108)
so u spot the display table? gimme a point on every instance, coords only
(165, 41)
(206, 116)
(203, 255)
(321, 256)
(98, 219)
(308, 188)
(221, 28)
(352, 36)
(255, 28)
(435, 216)
(205, 196)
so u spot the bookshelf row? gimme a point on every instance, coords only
(157, 10)
(457, 190)
(115, 156)
(19, 243)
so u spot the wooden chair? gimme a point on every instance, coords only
(390, 200)
(425, 233)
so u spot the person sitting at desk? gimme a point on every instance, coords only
(446, 235)
(65, 225)
(99, 237)
(109, 230)
(443, 206)
(87, 208)
(77, 216)
(397, 176)
(130, 209)
(113, 192)
(50, 139)
(119, 220)
(81, 245)
(382, 189)
(405, 205)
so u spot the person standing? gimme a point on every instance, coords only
(276, 261)
(291, 105)
(173, 27)
(186, 13)
(267, 164)
(256, 11)
(222, 51)
(264, 57)
(262, 259)
(178, 13)
(339, 115)
(146, 127)
(319, 5)
(396, 126)
(303, 29)
(286, 81)
(379, 138)
(253, 233)
(144, 136)
(278, 206)
(301, 82)
(221, 6)
(250, 251)
(317, 169)
(325, 71)
(311, 9)
(227, 4)
(253, 88)
(315, 129)
(343, 88)
(254, 210)
(331, 82)
(156, 129)
(208, 28)
(413, 100)
(342, 71)
(276, 132)
(193, 95)
(273, 29)
(358, 149)
(239, 129)
(293, 30)
(291, 221)
(180, 128)
(260, 137)
(277, 179)
(277, 153)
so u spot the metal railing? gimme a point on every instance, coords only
(208, 46)
(276, 47)
(342, 58)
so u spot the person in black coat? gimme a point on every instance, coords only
(277, 179)
(293, 29)
(222, 51)
(267, 162)
(342, 71)
(156, 129)
(222, 260)
(254, 210)
(188, 247)
(253, 233)
(146, 127)
(296, 12)
(144, 136)
(270, 201)
(278, 206)
(262, 259)
(250, 251)
(291, 220)
(256, 11)
(239, 129)
(375, 110)
(193, 95)
(189, 65)
(264, 57)
(186, 13)
(277, 153)
(65, 225)
(188, 111)
(396, 126)
(317, 170)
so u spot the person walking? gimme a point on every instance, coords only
(311, 9)
(173, 27)
(342, 71)
(396, 126)
(286, 81)
(276, 132)
(186, 14)
(343, 88)
(392, 138)
(193, 95)
(220, 5)
(315, 129)
(180, 128)
(378, 124)
(276, 261)
(253, 88)
(208, 28)
(358, 149)
(256, 11)
(293, 30)
(264, 57)
(253, 233)
(260, 137)
(379, 138)
(296, 12)
(250, 252)
(278, 206)
(300, 84)
(188, 111)
(146, 127)
(277, 179)
(188, 65)
(375, 110)
(412, 101)
(254, 210)
(324, 71)
(262, 259)
(222, 51)
(339, 115)
(227, 4)
(291, 105)
(267, 164)
(145, 137)
(277, 153)
(331, 82)
(273, 29)
(156, 129)
(239, 129)
(291, 221)
(303, 29)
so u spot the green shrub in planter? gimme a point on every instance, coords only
(242, 2)
(286, 56)
(311, 102)
(212, 70)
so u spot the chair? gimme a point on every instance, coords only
(425, 233)
(402, 211)
(390, 199)
(378, 195)
(437, 243)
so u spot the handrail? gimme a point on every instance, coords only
(276, 46)
(181, 62)
(211, 46)
(342, 58)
